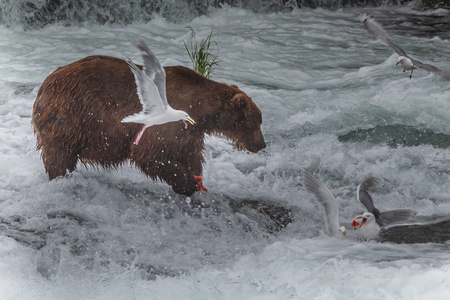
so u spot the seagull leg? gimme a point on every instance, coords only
(138, 138)
(410, 75)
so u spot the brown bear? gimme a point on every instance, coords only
(79, 108)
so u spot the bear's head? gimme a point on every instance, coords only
(218, 108)
(243, 120)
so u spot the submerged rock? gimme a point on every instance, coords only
(435, 232)
(398, 135)
(270, 217)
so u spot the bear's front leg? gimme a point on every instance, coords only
(188, 186)
(173, 173)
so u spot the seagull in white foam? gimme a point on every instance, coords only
(397, 226)
(370, 223)
(432, 231)
(407, 62)
(368, 229)
(151, 90)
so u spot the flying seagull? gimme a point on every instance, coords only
(151, 90)
(407, 62)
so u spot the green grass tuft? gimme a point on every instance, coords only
(204, 61)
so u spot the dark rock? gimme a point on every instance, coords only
(398, 135)
(436, 232)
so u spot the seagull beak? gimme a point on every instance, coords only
(364, 220)
(191, 121)
(397, 63)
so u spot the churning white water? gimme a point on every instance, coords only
(332, 102)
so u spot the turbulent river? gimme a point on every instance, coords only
(333, 102)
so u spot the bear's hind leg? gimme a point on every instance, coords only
(59, 161)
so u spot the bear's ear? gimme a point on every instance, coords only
(239, 101)
(234, 86)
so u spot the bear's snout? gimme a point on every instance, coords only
(256, 143)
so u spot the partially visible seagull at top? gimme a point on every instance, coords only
(407, 62)
(151, 90)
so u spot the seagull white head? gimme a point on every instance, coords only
(343, 230)
(406, 63)
(366, 218)
(368, 228)
(182, 115)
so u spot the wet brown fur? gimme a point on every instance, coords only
(79, 107)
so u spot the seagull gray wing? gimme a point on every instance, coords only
(363, 196)
(396, 216)
(433, 69)
(325, 198)
(374, 28)
(384, 218)
(154, 71)
(147, 91)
